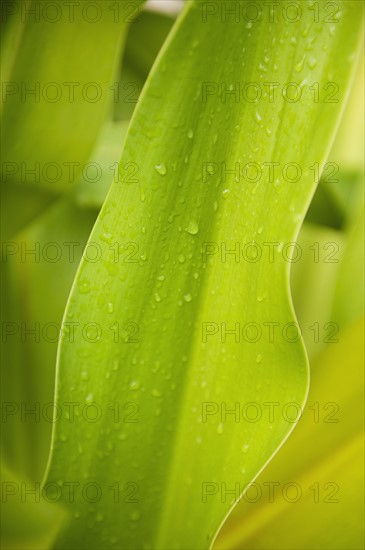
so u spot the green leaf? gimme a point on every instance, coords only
(323, 457)
(25, 522)
(151, 300)
(313, 283)
(144, 41)
(93, 187)
(41, 262)
(56, 93)
(348, 303)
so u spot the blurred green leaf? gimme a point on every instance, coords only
(56, 90)
(313, 283)
(143, 44)
(38, 269)
(95, 183)
(324, 457)
(348, 301)
(26, 522)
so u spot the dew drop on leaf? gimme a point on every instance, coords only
(300, 64)
(106, 237)
(161, 169)
(257, 117)
(220, 428)
(192, 228)
(84, 286)
(135, 516)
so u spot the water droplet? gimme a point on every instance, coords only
(245, 448)
(181, 258)
(312, 62)
(190, 134)
(220, 428)
(258, 358)
(156, 393)
(225, 193)
(258, 117)
(156, 367)
(300, 64)
(188, 297)
(161, 278)
(84, 375)
(89, 397)
(106, 237)
(115, 365)
(192, 228)
(110, 307)
(215, 206)
(99, 517)
(135, 516)
(134, 385)
(161, 169)
(84, 286)
(157, 297)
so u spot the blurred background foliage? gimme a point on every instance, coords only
(322, 292)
